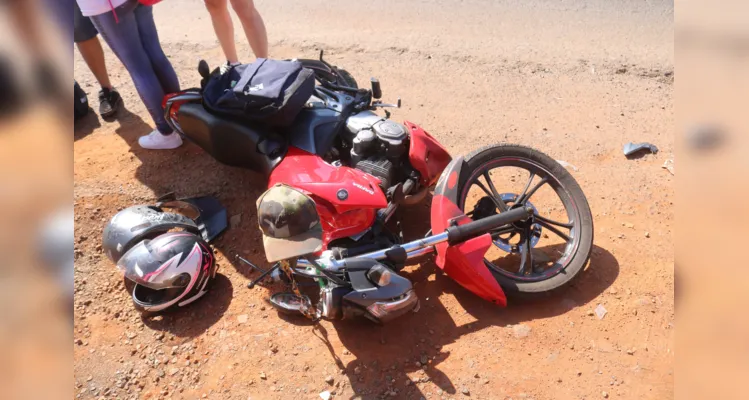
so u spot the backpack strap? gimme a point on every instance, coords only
(248, 74)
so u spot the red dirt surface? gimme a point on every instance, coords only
(574, 82)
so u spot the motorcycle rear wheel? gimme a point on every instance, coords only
(579, 236)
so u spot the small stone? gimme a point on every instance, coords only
(90, 378)
(173, 371)
(600, 311)
(329, 380)
(79, 342)
(242, 319)
(647, 234)
(346, 352)
(131, 335)
(263, 376)
(631, 351)
(559, 380)
(628, 225)
(235, 220)
(325, 395)
(572, 346)
(408, 382)
(465, 391)
(579, 373)
(424, 359)
(605, 395)
(160, 336)
(486, 381)
(521, 330)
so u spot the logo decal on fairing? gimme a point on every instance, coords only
(370, 191)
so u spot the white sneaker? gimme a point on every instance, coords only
(156, 141)
(225, 67)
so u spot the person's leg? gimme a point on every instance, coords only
(224, 28)
(149, 38)
(93, 55)
(124, 40)
(254, 27)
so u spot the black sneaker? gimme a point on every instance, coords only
(109, 102)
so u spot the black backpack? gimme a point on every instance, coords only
(271, 92)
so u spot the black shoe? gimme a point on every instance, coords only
(109, 102)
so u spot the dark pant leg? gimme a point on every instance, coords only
(149, 37)
(124, 39)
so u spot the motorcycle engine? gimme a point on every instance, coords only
(378, 150)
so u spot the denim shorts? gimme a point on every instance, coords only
(83, 28)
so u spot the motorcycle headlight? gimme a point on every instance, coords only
(379, 275)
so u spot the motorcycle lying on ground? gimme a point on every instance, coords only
(359, 167)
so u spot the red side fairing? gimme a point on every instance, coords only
(340, 218)
(426, 154)
(463, 262)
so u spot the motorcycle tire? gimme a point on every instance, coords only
(520, 289)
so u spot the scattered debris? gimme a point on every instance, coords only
(565, 164)
(631, 149)
(235, 220)
(521, 330)
(600, 311)
(668, 165)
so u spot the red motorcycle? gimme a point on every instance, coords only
(359, 167)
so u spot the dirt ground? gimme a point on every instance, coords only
(575, 79)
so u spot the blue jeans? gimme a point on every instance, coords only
(135, 41)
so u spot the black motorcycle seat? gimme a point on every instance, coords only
(231, 142)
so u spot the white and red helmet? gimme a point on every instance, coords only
(172, 270)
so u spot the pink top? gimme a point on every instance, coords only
(97, 7)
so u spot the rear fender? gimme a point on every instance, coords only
(464, 262)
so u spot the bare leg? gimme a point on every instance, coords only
(223, 27)
(93, 54)
(253, 25)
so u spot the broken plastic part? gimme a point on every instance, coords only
(632, 148)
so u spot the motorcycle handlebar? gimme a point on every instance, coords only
(461, 233)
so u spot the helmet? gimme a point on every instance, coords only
(136, 223)
(171, 270)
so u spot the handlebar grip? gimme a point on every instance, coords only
(461, 233)
(376, 89)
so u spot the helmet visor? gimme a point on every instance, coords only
(156, 267)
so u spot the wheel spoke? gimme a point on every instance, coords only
(526, 254)
(497, 202)
(527, 185)
(553, 229)
(552, 222)
(501, 204)
(528, 195)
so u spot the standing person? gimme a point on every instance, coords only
(252, 22)
(84, 36)
(128, 28)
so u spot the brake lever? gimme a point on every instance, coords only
(386, 105)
